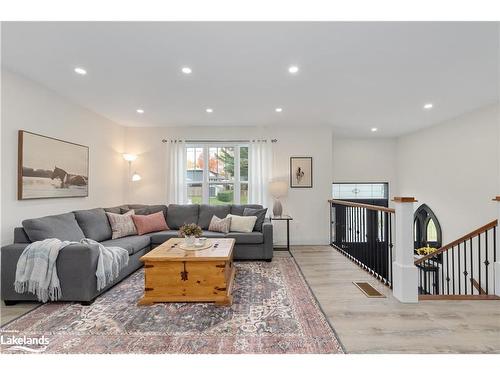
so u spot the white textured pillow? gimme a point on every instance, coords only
(122, 225)
(242, 224)
(220, 225)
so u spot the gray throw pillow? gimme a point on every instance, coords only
(220, 225)
(94, 224)
(261, 217)
(63, 227)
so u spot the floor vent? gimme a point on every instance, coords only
(368, 289)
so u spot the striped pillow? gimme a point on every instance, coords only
(122, 225)
(220, 225)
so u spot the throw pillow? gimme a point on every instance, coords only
(121, 225)
(242, 224)
(261, 216)
(150, 223)
(220, 225)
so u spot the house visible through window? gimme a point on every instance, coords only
(217, 173)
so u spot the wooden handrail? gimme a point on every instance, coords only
(362, 205)
(468, 236)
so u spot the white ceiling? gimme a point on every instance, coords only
(353, 76)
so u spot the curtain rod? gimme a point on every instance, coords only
(212, 141)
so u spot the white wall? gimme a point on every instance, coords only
(365, 160)
(29, 106)
(309, 207)
(453, 167)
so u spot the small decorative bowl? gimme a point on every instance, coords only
(200, 241)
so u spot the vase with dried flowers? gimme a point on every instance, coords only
(190, 232)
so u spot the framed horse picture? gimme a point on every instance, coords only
(301, 172)
(51, 168)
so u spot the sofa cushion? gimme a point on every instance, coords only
(261, 216)
(160, 237)
(94, 224)
(237, 209)
(210, 234)
(144, 209)
(117, 209)
(132, 244)
(207, 212)
(63, 227)
(180, 214)
(247, 238)
(150, 223)
(20, 235)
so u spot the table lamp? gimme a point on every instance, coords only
(278, 189)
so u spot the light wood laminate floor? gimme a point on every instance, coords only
(384, 325)
(380, 325)
(9, 313)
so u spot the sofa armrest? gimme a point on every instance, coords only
(267, 231)
(76, 267)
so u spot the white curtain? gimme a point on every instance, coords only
(259, 171)
(176, 169)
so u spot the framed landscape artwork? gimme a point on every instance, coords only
(51, 168)
(301, 172)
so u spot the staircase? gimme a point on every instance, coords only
(462, 269)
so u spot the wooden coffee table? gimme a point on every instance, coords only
(176, 275)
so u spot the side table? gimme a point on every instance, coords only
(286, 218)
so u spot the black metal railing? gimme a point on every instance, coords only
(461, 268)
(363, 233)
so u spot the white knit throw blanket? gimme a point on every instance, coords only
(36, 270)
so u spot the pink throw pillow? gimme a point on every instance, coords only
(150, 223)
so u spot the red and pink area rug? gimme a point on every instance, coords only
(273, 312)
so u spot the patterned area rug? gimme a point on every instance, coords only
(273, 312)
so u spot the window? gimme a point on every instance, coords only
(427, 231)
(217, 173)
(360, 190)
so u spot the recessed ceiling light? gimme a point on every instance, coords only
(80, 71)
(293, 69)
(374, 130)
(279, 109)
(140, 110)
(428, 106)
(186, 70)
(209, 110)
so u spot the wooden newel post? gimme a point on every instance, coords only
(496, 265)
(405, 274)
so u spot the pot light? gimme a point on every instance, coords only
(373, 130)
(209, 110)
(428, 106)
(186, 70)
(80, 71)
(140, 110)
(293, 69)
(279, 110)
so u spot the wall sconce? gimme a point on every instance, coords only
(130, 158)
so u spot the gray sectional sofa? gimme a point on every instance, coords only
(76, 263)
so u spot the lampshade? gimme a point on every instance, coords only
(136, 177)
(278, 189)
(129, 157)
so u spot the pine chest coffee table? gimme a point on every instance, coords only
(176, 275)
